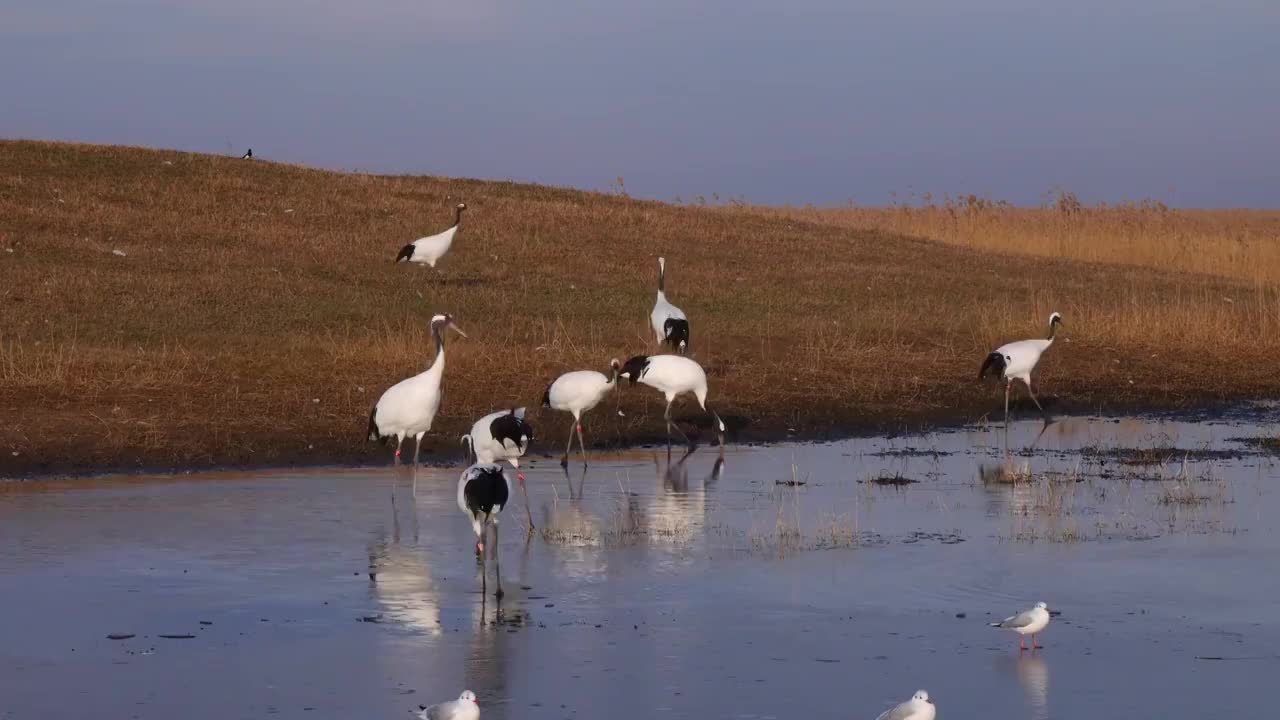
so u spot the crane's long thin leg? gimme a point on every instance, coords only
(671, 425)
(484, 567)
(1007, 386)
(525, 490)
(497, 564)
(399, 442)
(1034, 400)
(581, 445)
(417, 447)
(564, 461)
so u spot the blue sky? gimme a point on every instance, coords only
(806, 101)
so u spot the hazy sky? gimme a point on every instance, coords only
(789, 101)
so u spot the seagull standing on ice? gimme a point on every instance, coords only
(1016, 360)
(919, 707)
(431, 248)
(1028, 622)
(464, 708)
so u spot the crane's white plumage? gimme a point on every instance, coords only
(668, 321)
(919, 707)
(464, 708)
(409, 407)
(673, 376)
(503, 435)
(1028, 622)
(1016, 360)
(577, 392)
(430, 249)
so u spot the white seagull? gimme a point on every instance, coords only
(1028, 622)
(1016, 360)
(919, 707)
(464, 708)
(408, 407)
(577, 392)
(673, 376)
(669, 322)
(430, 249)
(483, 490)
(503, 435)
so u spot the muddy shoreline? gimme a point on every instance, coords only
(439, 451)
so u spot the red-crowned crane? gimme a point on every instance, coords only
(577, 392)
(409, 407)
(672, 375)
(1016, 360)
(430, 249)
(503, 435)
(483, 490)
(669, 322)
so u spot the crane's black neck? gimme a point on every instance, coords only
(1053, 329)
(457, 216)
(662, 278)
(437, 333)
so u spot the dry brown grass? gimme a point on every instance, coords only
(1236, 243)
(256, 314)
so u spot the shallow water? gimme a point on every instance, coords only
(695, 589)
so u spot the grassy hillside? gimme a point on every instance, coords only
(255, 313)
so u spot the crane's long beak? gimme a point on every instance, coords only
(457, 329)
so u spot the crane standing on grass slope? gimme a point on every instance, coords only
(410, 406)
(430, 249)
(669, 322)
(503, 435)
(1016, 360)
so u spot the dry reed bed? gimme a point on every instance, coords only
(256, 314)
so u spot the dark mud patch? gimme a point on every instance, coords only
(910, 453)
(1158, 455)
(1268, 444)
(894, 480)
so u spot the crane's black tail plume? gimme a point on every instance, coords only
(546, 397)
(677, 333)
(375, 435)
(994, 363)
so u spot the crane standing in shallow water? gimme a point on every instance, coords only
(483, 490)
(577, 392)
(673, 376)
(409, 407)
(1016, 360)
(503, 435)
